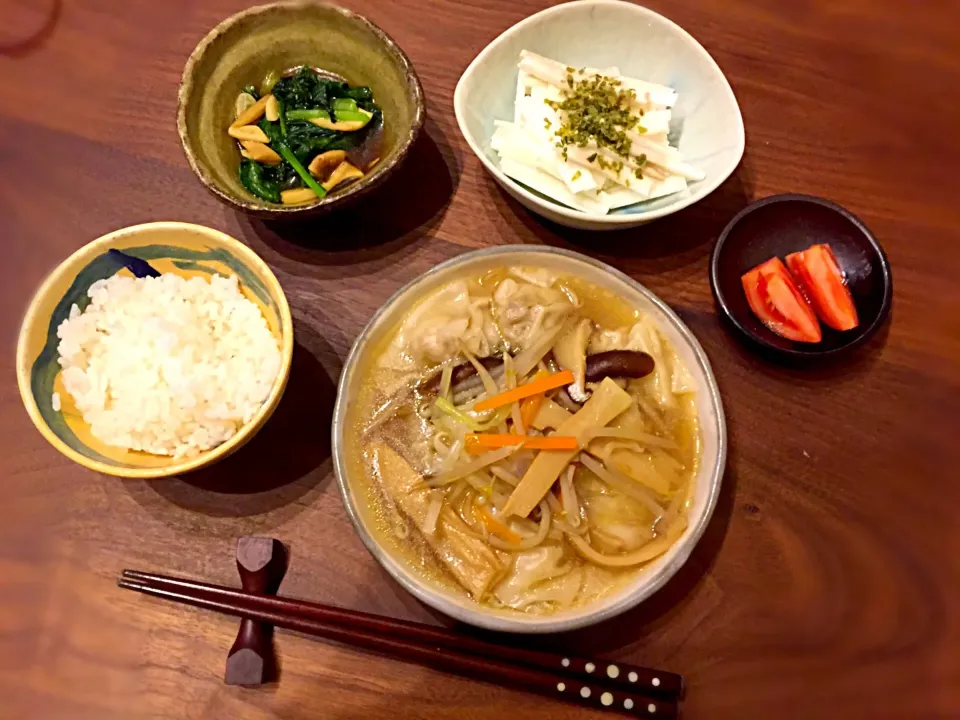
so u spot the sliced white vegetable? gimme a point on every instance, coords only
(619, 196)
(555, 73)
(539, 118)
(544, 69)
(651, 92)
(577, 180)
(671, 185)
(655, 151)
(656, 122)
(665, 156)
(550, 186)
(516, 144)
(524, 154)
(687, 172)
(529, 154)
(542, 93)
(649, 95)
(657, 138)
(518, 99)
(528, 82)
(654, 173)
(626, 177)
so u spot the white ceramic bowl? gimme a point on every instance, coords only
(712, 424)
(644, 45)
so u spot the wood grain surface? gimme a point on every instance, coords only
(828, 583)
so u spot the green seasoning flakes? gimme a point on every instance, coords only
(597, 109)
(641, 160)
(577, 175)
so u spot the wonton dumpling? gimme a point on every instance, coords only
(539, 575)
(434, 330)
(523, 310)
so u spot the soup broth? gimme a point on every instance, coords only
(525, 501)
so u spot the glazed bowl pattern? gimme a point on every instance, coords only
(169, 247)
(242, 49)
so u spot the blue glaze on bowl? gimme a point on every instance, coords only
(139, 268)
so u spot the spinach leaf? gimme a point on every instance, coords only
(299, 141)
(359, 93)
(301, 90)
(252, 177)
(282, 175)
(305, 90)
(272, 129)
(349, 141)
(287, 154)
(307, 140)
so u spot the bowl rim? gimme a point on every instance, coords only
(709, 184)
(506, 623)
(31, 317)
(799, 352)
(353, 191)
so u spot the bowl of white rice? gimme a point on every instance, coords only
(155, 350)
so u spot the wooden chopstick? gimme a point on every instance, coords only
(613, 674)
(430, 646)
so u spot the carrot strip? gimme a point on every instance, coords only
(552, 442)
(529, 408)
(534, 387)
(481, 442)
(495, 527)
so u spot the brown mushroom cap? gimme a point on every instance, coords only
(618, 364)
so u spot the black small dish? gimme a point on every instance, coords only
(779, 225)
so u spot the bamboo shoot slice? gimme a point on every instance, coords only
(260, 152)
(252, 113)
(250, 133)
(550, 415)
(604, 405)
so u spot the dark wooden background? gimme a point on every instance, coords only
(828, 584)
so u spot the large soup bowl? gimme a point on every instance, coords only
(360, 498)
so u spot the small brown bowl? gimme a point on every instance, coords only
(243, 48)
(782, 224)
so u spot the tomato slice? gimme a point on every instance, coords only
(775, 299)
(821, 280)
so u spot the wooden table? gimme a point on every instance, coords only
(828, 584)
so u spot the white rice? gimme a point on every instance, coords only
(167, 365)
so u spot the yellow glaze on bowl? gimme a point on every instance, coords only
(169, 247)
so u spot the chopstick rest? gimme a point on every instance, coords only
(262, 563)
